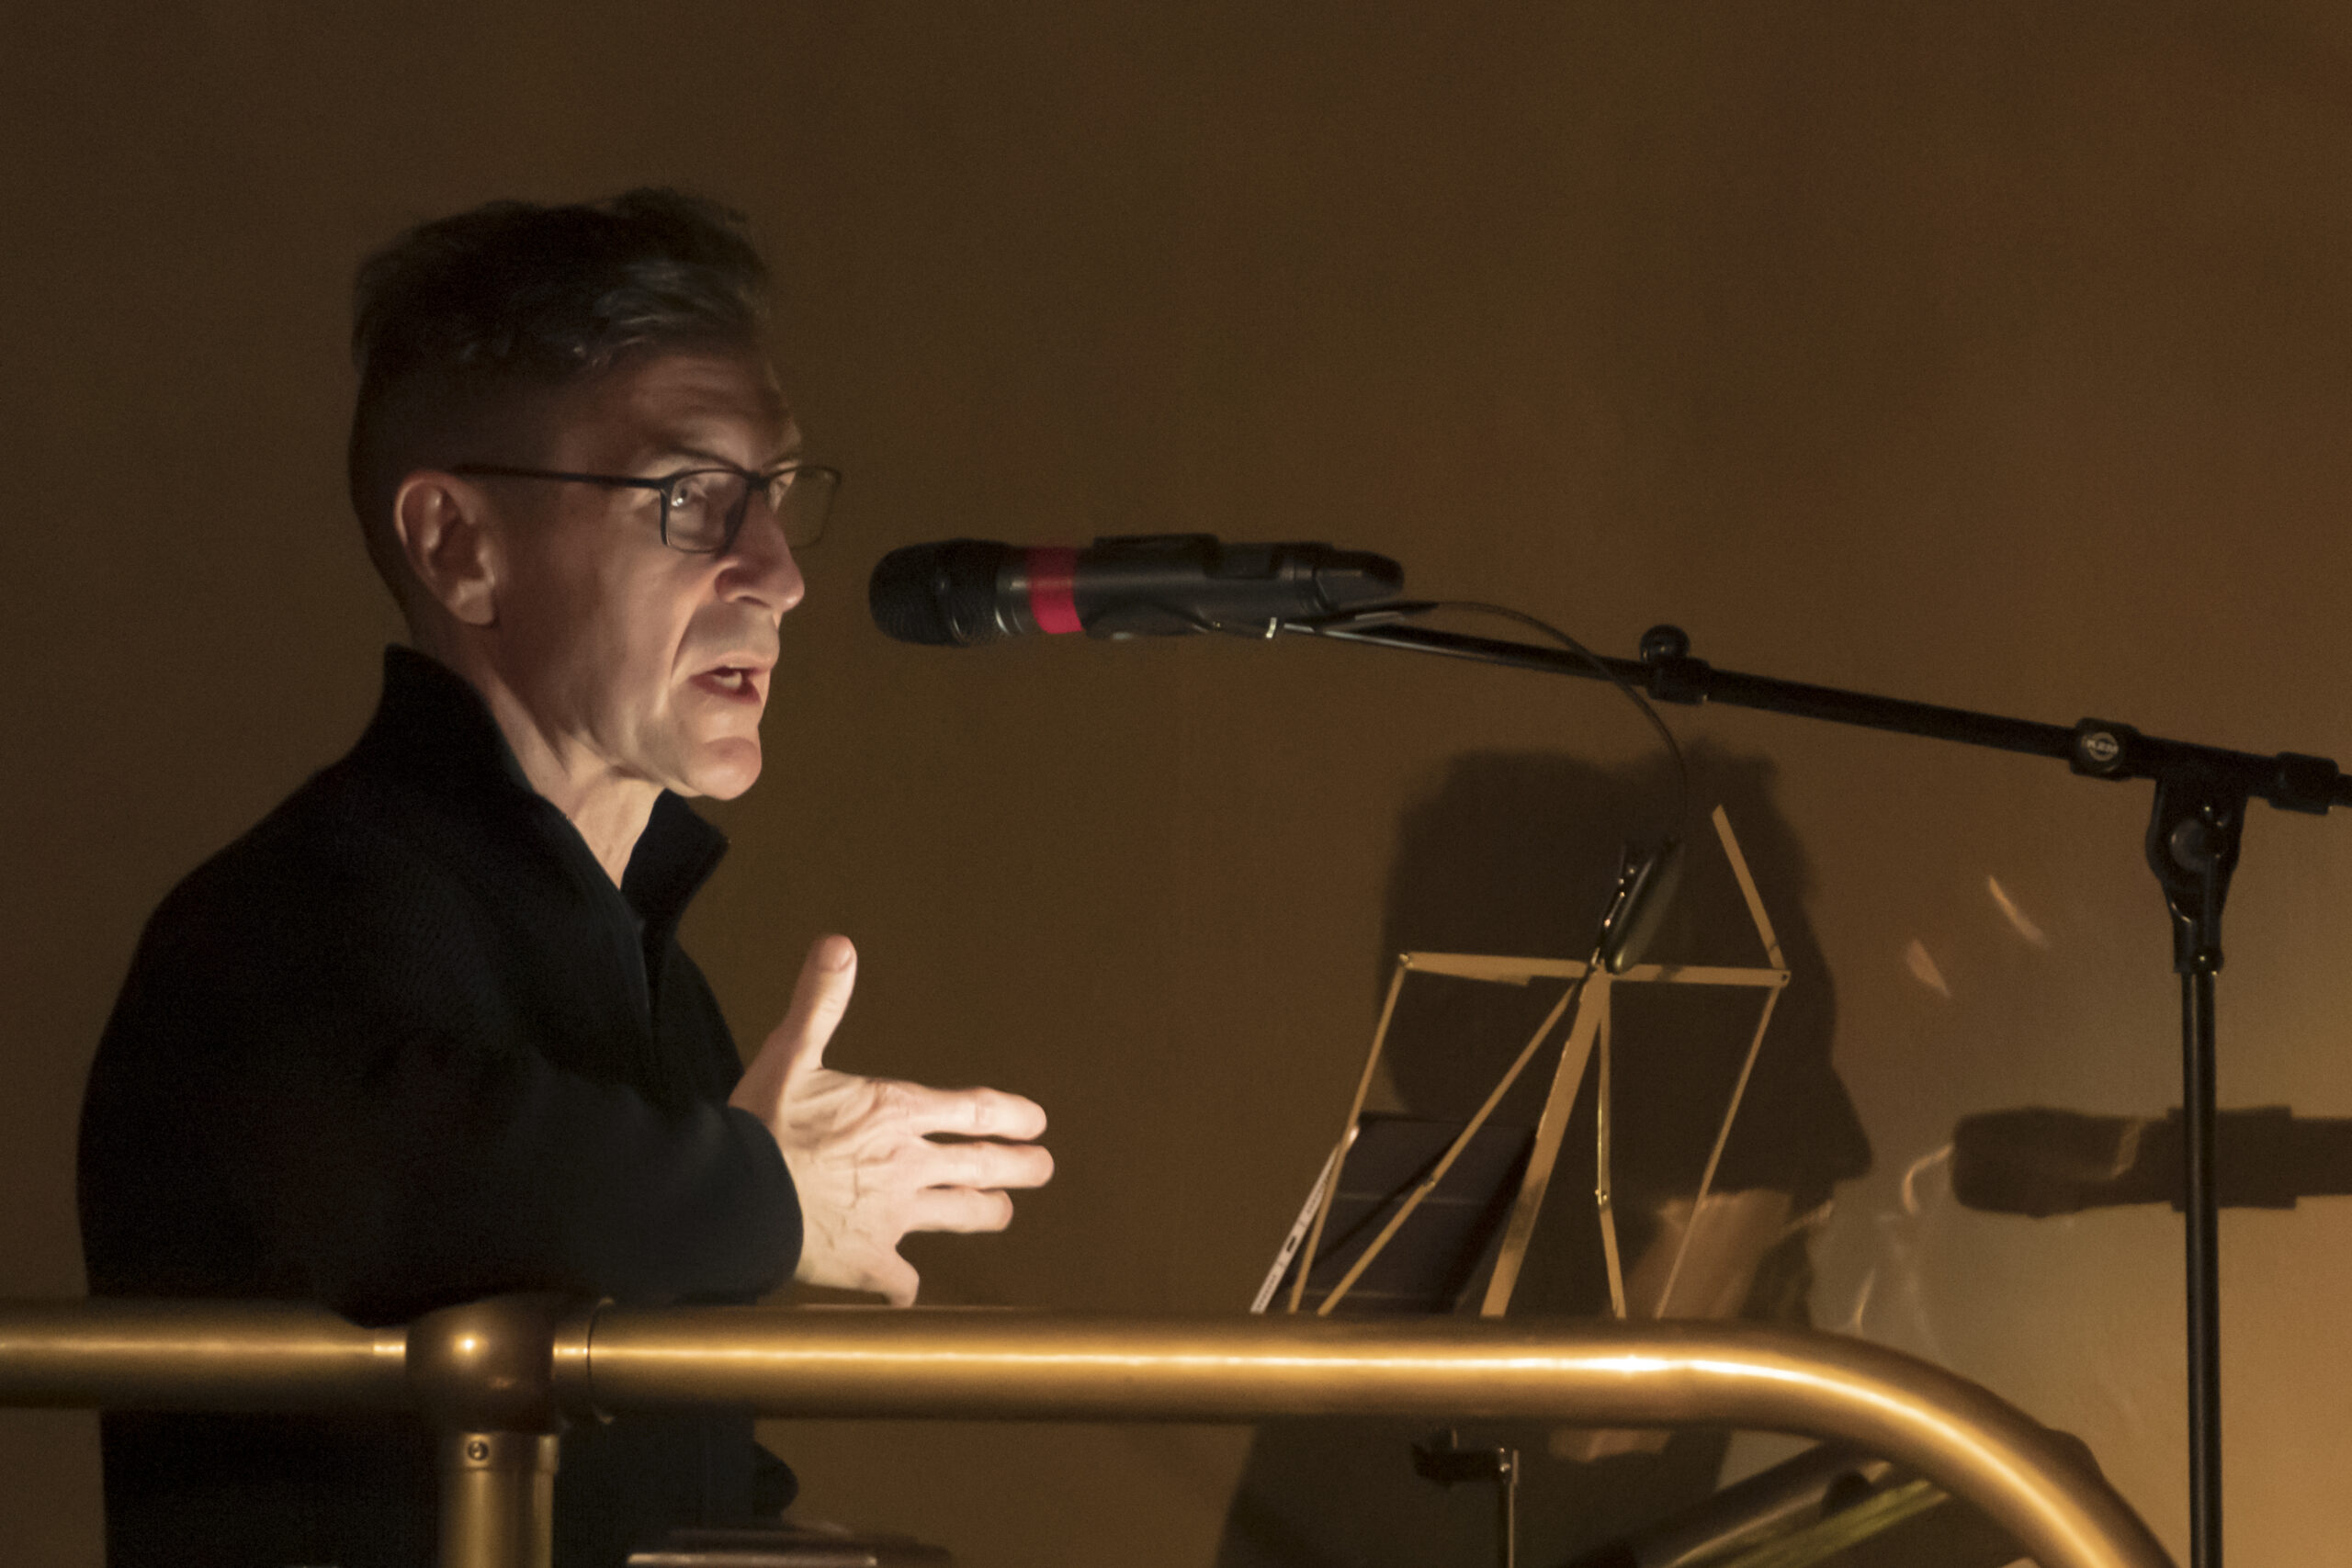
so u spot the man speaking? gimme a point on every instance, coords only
(425, 1034)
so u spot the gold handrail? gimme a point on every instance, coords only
(176, 1355)
(518, 1365)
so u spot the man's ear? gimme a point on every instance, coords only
(447, 534)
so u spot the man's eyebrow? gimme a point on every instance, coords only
(681, 451)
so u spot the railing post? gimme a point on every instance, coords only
(498, 1499)
(484, 1374)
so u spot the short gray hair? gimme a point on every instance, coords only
(457, 317)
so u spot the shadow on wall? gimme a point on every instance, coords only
(2041, 1161)
(1517, 853)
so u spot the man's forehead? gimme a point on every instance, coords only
(692, 404)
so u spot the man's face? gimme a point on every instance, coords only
(626, 653)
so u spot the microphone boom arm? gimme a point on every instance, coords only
(1667, 673)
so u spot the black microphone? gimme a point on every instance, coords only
(961, 592)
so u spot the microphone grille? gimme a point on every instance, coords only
(943, 595)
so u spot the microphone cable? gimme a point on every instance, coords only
(1633, 693)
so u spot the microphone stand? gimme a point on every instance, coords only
(2194, 832)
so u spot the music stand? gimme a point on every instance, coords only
(1385, 1169)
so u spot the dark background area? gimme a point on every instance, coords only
(1998, 354)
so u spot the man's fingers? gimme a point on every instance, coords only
(820, 997)
(961, 1209)
(897, 1279)
(972, 1112)
(982, 1165)
(882, 1271)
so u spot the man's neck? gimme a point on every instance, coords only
(608, 809)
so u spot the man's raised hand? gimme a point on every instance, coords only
(861, 1151)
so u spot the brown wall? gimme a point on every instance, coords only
(2000, 354)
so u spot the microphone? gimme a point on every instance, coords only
(961, 592)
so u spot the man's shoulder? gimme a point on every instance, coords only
(344, 864)
(332, 830)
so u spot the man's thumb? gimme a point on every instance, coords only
(820, 997)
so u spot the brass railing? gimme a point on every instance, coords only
(500, 1378)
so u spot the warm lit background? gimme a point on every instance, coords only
(1998, 354)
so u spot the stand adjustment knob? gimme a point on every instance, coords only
(2102, 748)
(1661, 643)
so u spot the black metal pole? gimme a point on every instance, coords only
(2202, 1224)
(2195, 827)
(2193, 839)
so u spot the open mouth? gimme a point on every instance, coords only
(737, 682)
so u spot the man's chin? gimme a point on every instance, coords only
(721, 770)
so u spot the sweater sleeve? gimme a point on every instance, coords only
(275, 1112)
(445, 1172)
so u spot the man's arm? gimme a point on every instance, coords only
(279, 1109)
(861, 1150)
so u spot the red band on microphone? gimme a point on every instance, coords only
(1053, 574)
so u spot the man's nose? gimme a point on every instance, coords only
(760, 567)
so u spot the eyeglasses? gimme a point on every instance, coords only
(703, 509)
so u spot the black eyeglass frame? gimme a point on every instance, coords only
(666, 487)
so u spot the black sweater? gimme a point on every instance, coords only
(402, 1045)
